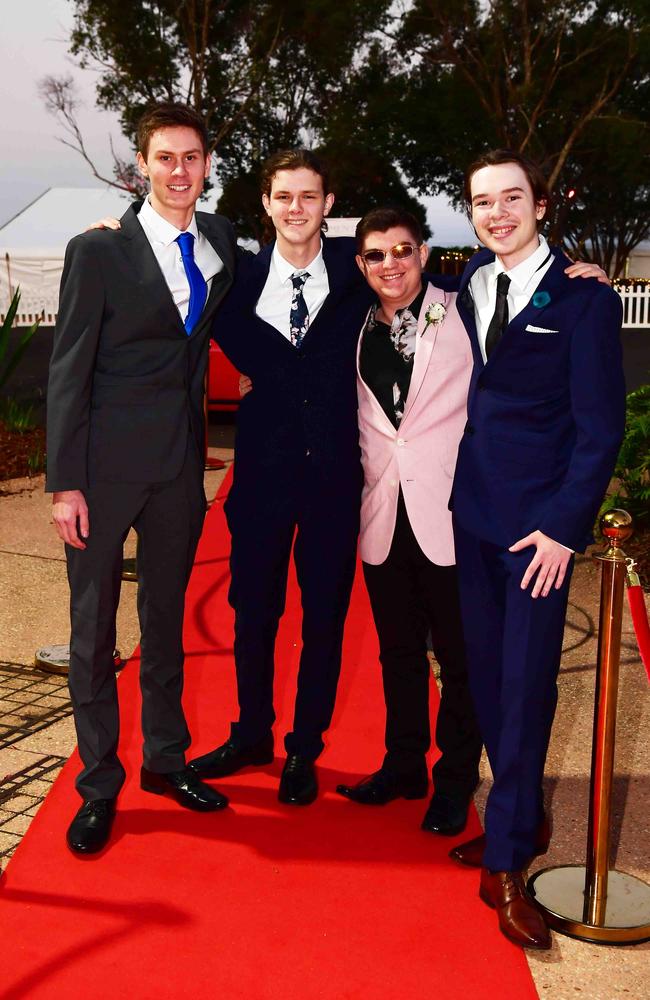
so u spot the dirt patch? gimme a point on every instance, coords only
(21, 453)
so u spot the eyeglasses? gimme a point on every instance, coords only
(401, 251)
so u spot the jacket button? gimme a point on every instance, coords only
(400, 442)
(468, 428)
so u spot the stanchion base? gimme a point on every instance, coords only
(560, 895)
(130, 570)
(56, 659)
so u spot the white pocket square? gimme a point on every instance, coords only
(539, 329)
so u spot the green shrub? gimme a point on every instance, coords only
(10, 359)
(17, 416)
(632, 470)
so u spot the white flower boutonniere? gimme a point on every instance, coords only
(434, 315)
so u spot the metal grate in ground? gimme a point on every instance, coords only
(21, 794)
(30, 700)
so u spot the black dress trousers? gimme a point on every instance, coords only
(410, 597)
(168, 518)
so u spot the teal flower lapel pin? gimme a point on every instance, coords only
(541, 299)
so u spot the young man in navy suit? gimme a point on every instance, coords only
(546, 412)
(291, 323)
(125, 435)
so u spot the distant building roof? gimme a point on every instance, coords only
(44, 227)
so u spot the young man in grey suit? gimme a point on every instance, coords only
(125, 449)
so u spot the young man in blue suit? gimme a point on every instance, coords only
(546, 412)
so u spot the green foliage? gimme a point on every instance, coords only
(9, 359)
(36, 461)
(633, 464)
(17, 416)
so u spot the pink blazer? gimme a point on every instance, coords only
(421, 454)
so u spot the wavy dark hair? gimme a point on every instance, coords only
(291, 159)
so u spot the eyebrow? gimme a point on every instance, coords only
(306, 191)
(504, 191)
(170, 152)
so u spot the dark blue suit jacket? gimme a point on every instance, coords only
(304, 401)
(546, 413)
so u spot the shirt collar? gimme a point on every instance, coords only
(522, 273)
(284, 269)
(163, 231)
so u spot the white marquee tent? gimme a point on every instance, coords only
(32, 245)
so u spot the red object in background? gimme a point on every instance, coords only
(223, 381)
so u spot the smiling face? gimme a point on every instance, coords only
(505, 213)
(395, 282)
(297, 206)
(176, 167)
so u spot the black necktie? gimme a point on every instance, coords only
(499, 321)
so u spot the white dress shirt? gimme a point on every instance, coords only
(162, 237)
(524, 280)
(274, 304)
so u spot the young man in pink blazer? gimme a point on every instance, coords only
(414, 363)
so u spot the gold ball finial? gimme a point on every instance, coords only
(616, 526)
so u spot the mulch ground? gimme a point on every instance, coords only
(16, 450)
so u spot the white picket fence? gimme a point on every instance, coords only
(636, 308)
(636, 305)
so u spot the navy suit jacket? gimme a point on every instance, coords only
(304, 400)
(546, 413)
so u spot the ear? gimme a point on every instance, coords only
(540, 210)
(142, 164)
(361, 264)
(424, 254)
(208, 166)
(329, 201)
(266, 201)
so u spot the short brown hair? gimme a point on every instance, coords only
(380, 220)
(497, 157)
(168, 114)
(293, 159)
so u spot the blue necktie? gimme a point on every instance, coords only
(198, 287)
(299, 313)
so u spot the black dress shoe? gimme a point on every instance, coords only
(383, 786)
(184, 786)
(298, 784)
(230, 758)
(446, 816)
(91, 827)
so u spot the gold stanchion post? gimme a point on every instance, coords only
(592, 901)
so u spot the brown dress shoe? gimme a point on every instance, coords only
(471, 852)
(519, 918)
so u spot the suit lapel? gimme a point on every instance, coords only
(225, 276)
(145, 267)
(465, 302)
(426, 337)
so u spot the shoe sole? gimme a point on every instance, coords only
(479, 864)
(285, 800)
(194, 806)
(218, 772)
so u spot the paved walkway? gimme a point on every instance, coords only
(36, 732)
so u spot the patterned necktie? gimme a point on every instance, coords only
(499, 321)
(298, 314)
(198, 286)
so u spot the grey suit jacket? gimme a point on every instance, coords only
(126, 382)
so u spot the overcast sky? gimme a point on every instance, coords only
(33, 44)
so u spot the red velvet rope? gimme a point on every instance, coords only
(641, 626)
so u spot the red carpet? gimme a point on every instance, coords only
(263, 901)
